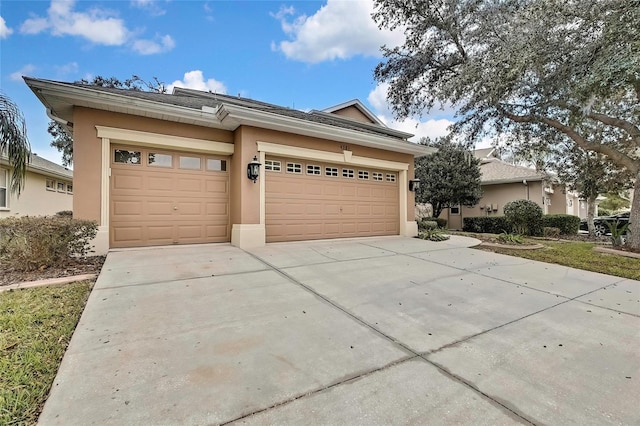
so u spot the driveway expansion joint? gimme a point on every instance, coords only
(512, 412)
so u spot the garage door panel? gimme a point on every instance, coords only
(301, 206)
(151, 205)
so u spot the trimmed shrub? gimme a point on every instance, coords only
(550, 232)
(566, 223)
(441, 223)
(604, 212)
(429, 225)
(486, 224)
(31, 243)
(65, 213)
(525, 217)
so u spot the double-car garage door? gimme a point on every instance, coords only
(162, 197)
(308, 200)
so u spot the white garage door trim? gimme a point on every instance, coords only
(406, 228)
(108, 135)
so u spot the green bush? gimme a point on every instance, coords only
(31, 243)
(506, 238)
(566, 223)
(525, 217)
(486, 224)
(428, 225)
(433, 235)
(441, 223)
(604, 212)
(550, 232)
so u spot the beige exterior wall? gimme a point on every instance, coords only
(353, 113)
(87, 150)
(35, 199)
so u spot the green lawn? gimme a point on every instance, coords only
(578, 255)
(35, 328)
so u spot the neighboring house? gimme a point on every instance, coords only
(48, 189)
(156, 169)
(503, 182)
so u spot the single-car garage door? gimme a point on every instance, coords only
(160, 197)
(308, 200)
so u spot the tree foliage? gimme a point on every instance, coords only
(62, 138)
(14, 143)
(448, 177)
(530, 71)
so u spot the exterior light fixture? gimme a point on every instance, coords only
(253, 169)
(414, 184)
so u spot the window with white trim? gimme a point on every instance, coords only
(51, 185)
(215, 165)
(4, 184)
(391, 177)
(378, 177)
(363, 174)
(69, 188)
(294, 168)
(127, 157)
(347, 173)
(272, 165)
(331, 171)
(61, 187)
(156, 159)
(312, 169)
(189, 163)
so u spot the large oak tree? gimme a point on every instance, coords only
(532, 71)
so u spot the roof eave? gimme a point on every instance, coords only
(237, 115)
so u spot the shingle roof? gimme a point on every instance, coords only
(38, 162)
(197, 99)
(497, 171)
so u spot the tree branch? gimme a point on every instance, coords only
(625, 125)
(615, 155)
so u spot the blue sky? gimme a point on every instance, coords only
(300, 54)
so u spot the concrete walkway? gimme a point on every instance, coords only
(370, 331)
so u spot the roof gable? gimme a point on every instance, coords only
(494, 171)
(355, 110)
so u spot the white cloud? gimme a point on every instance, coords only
(161, 44)
(339, 30)
(66, 69)
(25, 70)
(4, 30)
(34, 25)
(195, 80)
(150, 6)
(432, 126)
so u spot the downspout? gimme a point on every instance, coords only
(57, 119)
(524, 182)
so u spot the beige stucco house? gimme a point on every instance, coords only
(158, 169)
(48, 189)
(503, 182)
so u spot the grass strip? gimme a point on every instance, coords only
(578, 255)
(35, 328)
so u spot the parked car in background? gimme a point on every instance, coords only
(600, 223)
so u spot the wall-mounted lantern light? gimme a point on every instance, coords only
(414, 184)
(253, 169)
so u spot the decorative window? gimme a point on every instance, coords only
(214, 165)
(294, 168)
(190, 163)
(391, 177)
(347, 173)
(69, 188)
(4, 183)
(455, 210)
(363, 174)
(331, 171)
(159, 160)
(61, 187)
(272, 165)
(127, 157)
(51, 185)
(378, 177)
(313, 170)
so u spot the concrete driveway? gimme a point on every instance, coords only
(370, 331)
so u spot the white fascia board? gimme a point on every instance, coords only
(86, 97)
(245, 116)
(512, 180)
(39, 170)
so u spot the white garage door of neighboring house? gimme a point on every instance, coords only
(160, 197)
(308, 200)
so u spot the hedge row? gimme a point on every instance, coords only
(567, 224)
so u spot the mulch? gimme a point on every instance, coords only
(90, 265)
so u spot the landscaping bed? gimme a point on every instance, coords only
(90, 265)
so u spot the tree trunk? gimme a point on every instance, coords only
(633, 241)
(591, 212)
